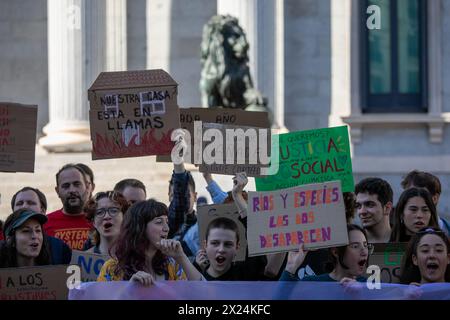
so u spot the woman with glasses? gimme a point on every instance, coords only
(427, 258)
(106, 211)
(415, 210)
(346, 263)
(143, 253)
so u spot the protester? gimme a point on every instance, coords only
(69, 223)
(222, 244)
(35, 200)
(427, 258)
(24, 245)
(132, 189)
(183, 224)
(106, 210)
(346, 263)
(422, 179)
(374, 198)
(143, 253)
(415, 210)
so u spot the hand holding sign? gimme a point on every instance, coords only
(295, 259)
(201, 259)
(239, 182)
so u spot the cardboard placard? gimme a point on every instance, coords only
(18, 124)
(251, 148)
(207, 213)
(388, 257)
(90, 264)
(34, 283)
(280, 220)
(236, 117)
(311, 156)
(132, 114)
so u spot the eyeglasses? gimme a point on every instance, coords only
(430, 230)
(360, 246)
(112, 211)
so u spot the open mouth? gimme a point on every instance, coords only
(432, 266)
(362, 262)
(107, 225)
(220, 259)
(34, 245)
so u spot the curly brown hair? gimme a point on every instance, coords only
(91, 208)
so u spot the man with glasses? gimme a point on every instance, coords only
(69, 223)
(374, 198)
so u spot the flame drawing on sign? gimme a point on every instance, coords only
(145, 145)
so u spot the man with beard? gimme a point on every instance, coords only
(69, 223)
(374, 197)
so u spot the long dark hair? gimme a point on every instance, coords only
(410, 272)
(332, 260)
(399, 230)
(132, 243)
(8, 251)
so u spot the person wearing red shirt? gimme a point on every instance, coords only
(69, 223)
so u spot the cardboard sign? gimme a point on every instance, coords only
(17, 137)
(280, 220)
(90, 264)
(132, 114)
(34, 283)
(236, 117)
(237, 154)
(311, 156)
(388, 257)
(207, 213)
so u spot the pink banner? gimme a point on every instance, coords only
(255, 290)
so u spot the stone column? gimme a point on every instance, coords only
(263, 23)
(84, 38)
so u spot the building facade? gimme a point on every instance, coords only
(378, 66)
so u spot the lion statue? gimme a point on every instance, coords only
(225, 79)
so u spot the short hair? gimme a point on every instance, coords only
(71, 166)
(223, 223)
(410, 272)
(398, 231)
(39, 193)
(377, 186)
(332, 260)
(87, 171)
(133, 183)
(422, 179)
(91, 208)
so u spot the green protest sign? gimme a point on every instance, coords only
(312, 156)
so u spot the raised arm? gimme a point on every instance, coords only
(239, 182)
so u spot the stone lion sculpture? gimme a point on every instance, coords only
(225, 79)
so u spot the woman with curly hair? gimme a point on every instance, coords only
(143, 253)
(24, 244)
(106, 211)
